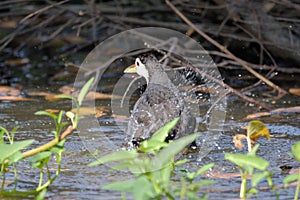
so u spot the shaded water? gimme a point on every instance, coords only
(77, 181)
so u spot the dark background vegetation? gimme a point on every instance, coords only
(45, 41)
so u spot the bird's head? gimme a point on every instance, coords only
(144, 66)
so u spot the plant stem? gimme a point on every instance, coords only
(49, 144)
(243, 188)
(183, 189)
(298, 187)
(249, 143)
(15, 174)
(41, 178)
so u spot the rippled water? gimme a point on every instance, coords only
(77, 181)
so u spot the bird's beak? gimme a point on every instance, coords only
(130, 70)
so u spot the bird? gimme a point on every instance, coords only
(160, 103)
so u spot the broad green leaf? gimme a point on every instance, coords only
(143, 188)
(7, 150)
(247, 162)
(115, 156)
(290, 178)
(140, 187)
(140, 165)
(165, 155)
(257, 129)
(296, 151)
(165, 174)
(15, 157)
(125, 165)
(42, 112)
(84, 90)
(162, 133)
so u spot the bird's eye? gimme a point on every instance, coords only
(137, 64)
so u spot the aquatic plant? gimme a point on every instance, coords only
(294, 177)
(152, 165)
(250, 163)
(10, 151)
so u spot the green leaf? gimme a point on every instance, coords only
(64, 96)
(162, 133)
(164, 175)
(59, 147)
(253, 191)
(296, 151)
(143, 188)
(254, 150)
(2, 131)
(40, 159)
(13, 131)
(151, 146)
(138, 165)
(140, 187)
(165, 155)
(192, 175)
(115, 156)
(15, 157)
(59, 116)
(42, 112)
(180, 162)
(290, 178)
(84, 90)
(258, 177)
(157, 141)
(247, 162)
(7, 150)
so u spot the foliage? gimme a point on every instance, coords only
(10, 153)
(255, 130)
(248, 164)
(294, 177)
(153, 164)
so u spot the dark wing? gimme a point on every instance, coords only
(157, 106)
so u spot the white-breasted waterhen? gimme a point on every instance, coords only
(160, 103)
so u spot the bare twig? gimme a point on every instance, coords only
(224, 49)
(42, 10)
